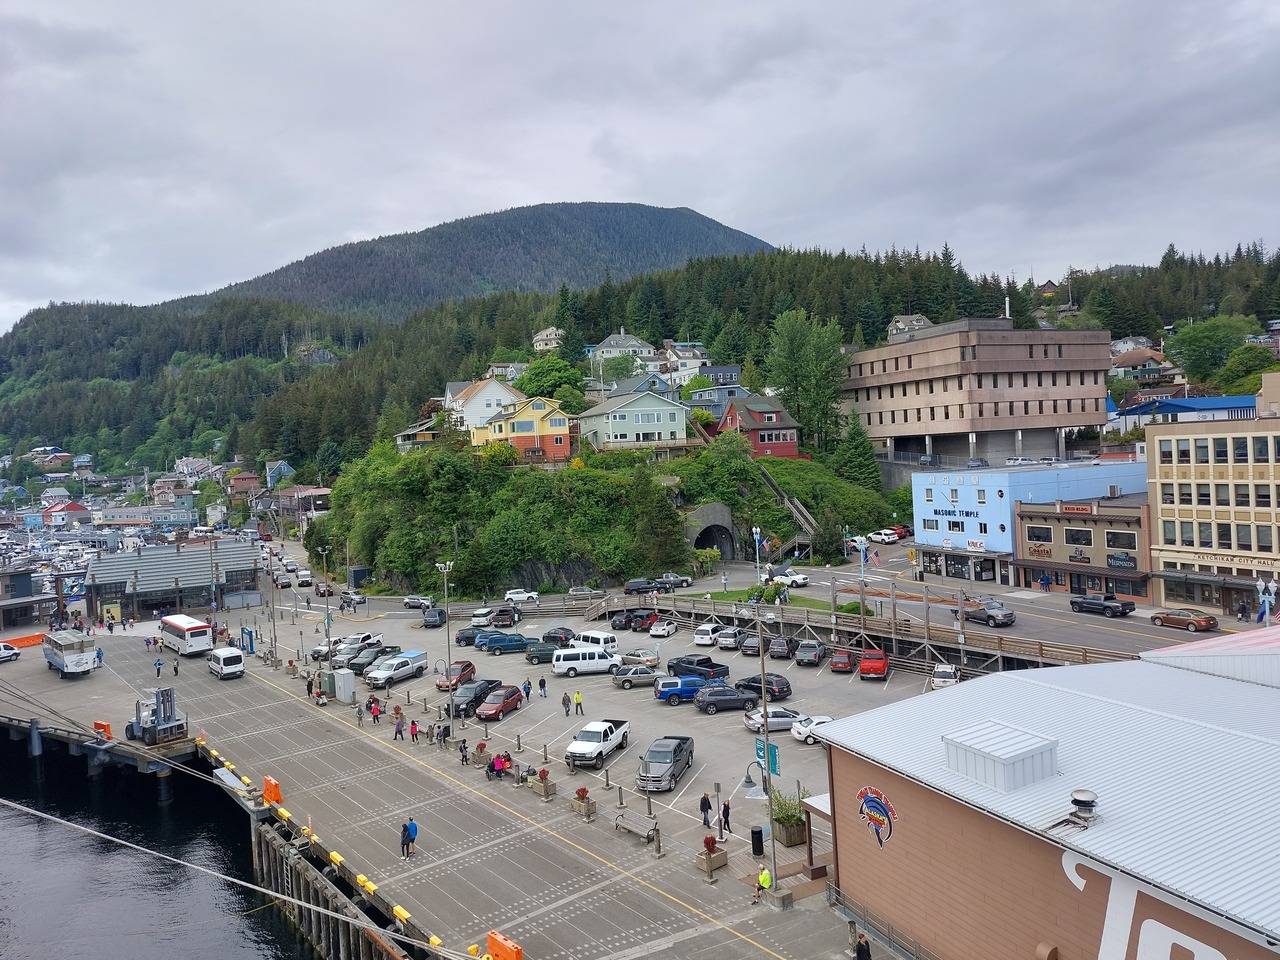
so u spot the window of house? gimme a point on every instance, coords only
(538, 405)
(1240, 449)
(1224, 536)
(773, 417)
(1169, 533)
(979, 381)
(1219, 449)
(931, 524)
(671, 417)
(1222, 494)
(1026, 408)
(522, 426)
(928, 494)
(1166, 451)
(1188, 529)
(1261, 450)
(1122, 540)
(558, 440)
(1039, 534)
(933, 414)
(1039, 379)
(1184, 450)
(1184, 494)
(1202, 450)
(1265, 544)
(1078, 537)
(931, 386)
(982, 497)
(982, 528)
(1242, 494)
(559, 423)
(955, 495)
(1206, 534)
(955, 526)
(1262, 495)
(622, 418)
(1025, 382)
(1053, 379)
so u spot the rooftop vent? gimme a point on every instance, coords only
(1085, 803)
(1000, 756)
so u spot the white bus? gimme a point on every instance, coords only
(186, 635)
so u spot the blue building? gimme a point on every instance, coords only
(964, 519)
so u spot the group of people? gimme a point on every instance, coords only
(705, 806)
(499, 764)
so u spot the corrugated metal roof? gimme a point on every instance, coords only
(156, 567)
(1186, 767)
(1253, 657)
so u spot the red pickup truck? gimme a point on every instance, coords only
(874, 665)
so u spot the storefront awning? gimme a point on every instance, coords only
(1032, 563)
(1212, 579)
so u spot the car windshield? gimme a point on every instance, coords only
(662, 755)
(497, 696)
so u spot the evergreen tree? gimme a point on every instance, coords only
(751, 378)
(659, 540)
(573, 347)
(854, 457)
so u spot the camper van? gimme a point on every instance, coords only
(226, 662)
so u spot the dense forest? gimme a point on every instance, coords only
(278, 380)
(532, 248)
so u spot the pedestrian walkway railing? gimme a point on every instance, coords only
(875, 927)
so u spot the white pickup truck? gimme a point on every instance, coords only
(356, 644)
(323, 651)
(412, 663)
(596, 741)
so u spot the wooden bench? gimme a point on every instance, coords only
(638, 824)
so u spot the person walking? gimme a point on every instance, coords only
(399, 728)
(440, 734)
(577, 703)
(462, 749)
(98, 656)
(527, 688)
(542, 686)
(175, 666)
(159, 665)
(704, 805)
(1242, 611)
(724, 817)
(413, 837)
(763, 882)
(566, 703)
(404, 841)
(359, 714)
(147, 641)
(413, 731)
(311, 686)
(863, 950)
(375, 711)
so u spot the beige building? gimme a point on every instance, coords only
(1082, 546)
(978, 388)
(1215, 486)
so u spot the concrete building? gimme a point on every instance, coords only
(1060, 813)
(966, 520)
(978, 388)
(173, 578)
(1214, 488)
(1094, 544)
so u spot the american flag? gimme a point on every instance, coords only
(1276, 618)
(875, 557)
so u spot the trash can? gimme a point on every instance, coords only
(757, 841)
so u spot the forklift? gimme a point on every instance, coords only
(157, 722)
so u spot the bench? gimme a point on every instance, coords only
(641, 826)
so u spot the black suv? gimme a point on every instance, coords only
(711, 699)
(622, 620)
(561, 636)
(776, 687)
(470, 695)
(646, 586)
(466, 637)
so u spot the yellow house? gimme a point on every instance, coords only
(535, 426)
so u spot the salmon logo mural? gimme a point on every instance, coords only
(878, 813)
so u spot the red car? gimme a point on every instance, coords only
(460, 671)
(642, 620)
(324, 590)
(842, 661)
(498, 704)
(874, 665)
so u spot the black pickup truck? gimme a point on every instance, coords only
(1104, 603)
(697, 665)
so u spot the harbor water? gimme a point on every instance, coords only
(69, 895)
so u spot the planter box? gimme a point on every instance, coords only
(543, 788)
(789, 834)
(584, 808)
(718, 859)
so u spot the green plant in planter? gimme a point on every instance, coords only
(785, 809)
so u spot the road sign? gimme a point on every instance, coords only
(773, 755)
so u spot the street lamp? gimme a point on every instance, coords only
(324, 559)
(764, 785)
(755, 538)
(1266, 596)
(446, 568)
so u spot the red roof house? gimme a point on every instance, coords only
(772, 431)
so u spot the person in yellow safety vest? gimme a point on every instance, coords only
(763, 883)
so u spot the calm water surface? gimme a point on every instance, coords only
(67, 895)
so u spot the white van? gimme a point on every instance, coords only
(596, 640)
(576, 660)
(304, 578)
(226, 662)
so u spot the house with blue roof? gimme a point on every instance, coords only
(715, 400)
(1184, 410)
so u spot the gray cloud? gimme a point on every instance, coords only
(149, 150)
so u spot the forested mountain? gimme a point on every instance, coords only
(533, 248)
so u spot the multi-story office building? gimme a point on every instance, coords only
(1097, 544)
(978, 388)
(1214, 490)
(966, 520)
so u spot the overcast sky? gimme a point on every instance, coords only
(154, 149)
